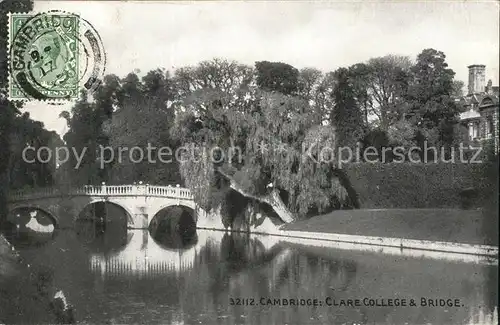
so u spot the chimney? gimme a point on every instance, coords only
(476, 78)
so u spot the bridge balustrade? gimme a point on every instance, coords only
(104, 190)
(184, 193)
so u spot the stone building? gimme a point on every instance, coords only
(481, 106)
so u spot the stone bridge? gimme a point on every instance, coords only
(140, 202)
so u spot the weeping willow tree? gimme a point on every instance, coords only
(244, 145)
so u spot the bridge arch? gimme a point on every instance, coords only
(116, 203)
(50, 214)
(189, 207)
(173, 225)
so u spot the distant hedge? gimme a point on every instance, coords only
(407, 185)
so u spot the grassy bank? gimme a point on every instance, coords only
(449, 225)
(21, 298)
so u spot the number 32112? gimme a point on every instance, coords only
(242, 301)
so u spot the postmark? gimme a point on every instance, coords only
(53, 56)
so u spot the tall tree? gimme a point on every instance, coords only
(386, 80)
(32, 167)
(360, 75)
(312, 87)
(308, 81)
(324, 100)
(458, 88)
(433, 110)
(143, 120)
(212, 83)
(86, 132)
(347, 116)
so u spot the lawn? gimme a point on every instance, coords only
(449, 225)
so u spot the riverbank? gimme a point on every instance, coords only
(445, 225)
(430, 232)
(447, 230)
(21, 297)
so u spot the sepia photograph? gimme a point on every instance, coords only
(249, 162)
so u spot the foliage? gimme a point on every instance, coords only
(378, 139)
(277, 76)
(199, 175)
(486, 183)
(125, 113)
(386, 80)
(32, 173)
(458, 88)
(359, 75)
(316, 89)
(288, 108)
(402, 133)
(269, 129)
(412, 102)
(307, 82)
(85, 134)
(432, 107)
(143, 119)
(487, 174)
(346, 116)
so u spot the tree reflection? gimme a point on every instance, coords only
(102, 227)
(238, 259)
(150, 282)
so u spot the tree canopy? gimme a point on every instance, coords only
(263, 136)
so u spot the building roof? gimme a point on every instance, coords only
(481, 99)
(469, 115)
(477, 102)
(474, 103)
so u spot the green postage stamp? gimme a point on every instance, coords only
(53, 56)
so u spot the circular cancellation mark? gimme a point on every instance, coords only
(53, 56)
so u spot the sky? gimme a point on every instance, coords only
(325, 34)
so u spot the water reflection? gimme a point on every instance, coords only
(102, 237)
(176, 240)
(29, 227)
(129, 277)
(102, 224)
(142, 256)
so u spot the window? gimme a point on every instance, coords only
(473, 130)
(490, 127)
(486, 101)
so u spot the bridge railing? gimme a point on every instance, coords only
(112, 190)
(32, 194)
(169, 191)
(105, 190)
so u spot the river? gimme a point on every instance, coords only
(123, 276)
